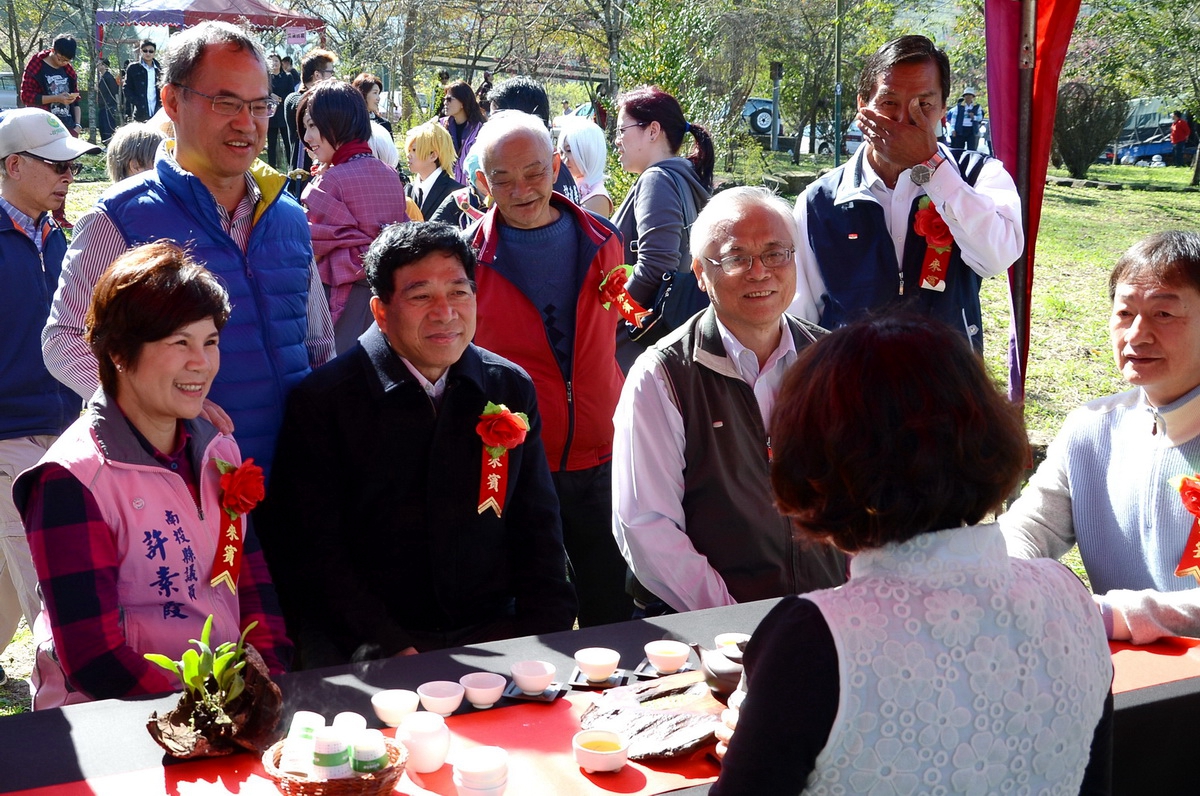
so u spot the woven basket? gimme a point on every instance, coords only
(380, 783)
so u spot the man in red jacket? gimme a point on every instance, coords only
(1180, 130)
(50, 83)
(541, 261)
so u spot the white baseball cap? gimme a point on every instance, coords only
(39, 133)
(969, 90)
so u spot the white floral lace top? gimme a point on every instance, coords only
(961, 672)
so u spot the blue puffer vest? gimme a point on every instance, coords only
(31, 400)
(263, 354)
(857, 259)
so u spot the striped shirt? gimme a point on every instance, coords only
(95, 245)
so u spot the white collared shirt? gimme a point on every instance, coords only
(767, 380)
(434, 389)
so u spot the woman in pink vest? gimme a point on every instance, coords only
(137, 516)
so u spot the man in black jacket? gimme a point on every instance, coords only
(278, 137)
(141, 84)
(398, 523)
(108, 96)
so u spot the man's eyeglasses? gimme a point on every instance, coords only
(735, 264)
(232, 106)
(148, 50)
(59, 166)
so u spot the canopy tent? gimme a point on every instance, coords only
(185, 13)
(1026, 45)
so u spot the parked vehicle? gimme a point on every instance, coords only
(853, 137)
(8, 91)
(758, 114)
(583, 110)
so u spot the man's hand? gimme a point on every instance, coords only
(217, 416)
(901, 144)
(724, 731)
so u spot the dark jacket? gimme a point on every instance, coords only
(282, 85)
(374, 528)
(31, 400)
(727, 499)
(437, 204)
(136, 78)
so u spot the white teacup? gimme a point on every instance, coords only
(441, 696)
(667, 657)
(392, 705)
(533, 677)
(483, 688)
(481, 766)
(597, 663)
(599, 750)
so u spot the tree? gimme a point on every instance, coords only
(25, 27)
(1088, 118)
(1145, 47)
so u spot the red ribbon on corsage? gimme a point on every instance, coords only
(501, 430)
(613, 291)
(1189, 493)
(929, 224)
(241, 490)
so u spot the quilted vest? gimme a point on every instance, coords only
(961, 671)
(263, 354)
(857, 258)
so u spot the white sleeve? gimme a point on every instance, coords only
(68, 357)
(319, 338)
(985, 219)
(810, 287)
(1040, 524)
(648, 519)
(1145, 616)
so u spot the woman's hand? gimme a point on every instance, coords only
(217, 416)
(724, 731)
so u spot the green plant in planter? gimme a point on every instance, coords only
(213, 678)
(228, 702)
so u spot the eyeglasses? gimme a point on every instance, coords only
(735, 264)
(149, 50)
(232, 106)
(327, 72)
(621, 130)
(60, 166)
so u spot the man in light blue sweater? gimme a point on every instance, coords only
(1107, 479)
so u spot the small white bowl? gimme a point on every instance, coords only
(667, 657)
(597, 663)
(441, 696)
(599, 750)
(483, 688)
(481, 767)
(533, 677)
(727, 645)
(469, 790)
(392, 705)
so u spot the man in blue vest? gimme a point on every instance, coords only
(905, 220)
(209, 192)
(37, 167)
(966, 118)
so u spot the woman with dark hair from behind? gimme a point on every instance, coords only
(122, 577)
(353, 195)
(463, 119)
(941, 664)
(372, 89)
(669, 192)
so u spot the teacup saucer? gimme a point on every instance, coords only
(553, 692)
(646, 671)
(578, 680)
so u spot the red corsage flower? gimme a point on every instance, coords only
(501, 429)
(929, 224)
(241, 487)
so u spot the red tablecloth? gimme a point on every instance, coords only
(537, 737)
(1163, 661)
